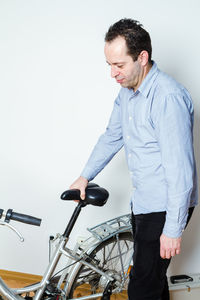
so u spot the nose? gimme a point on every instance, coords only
(114, 71)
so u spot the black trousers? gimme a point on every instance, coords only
(148, 280)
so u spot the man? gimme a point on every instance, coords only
(153, 119)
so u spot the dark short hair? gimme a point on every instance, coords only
(136, 37)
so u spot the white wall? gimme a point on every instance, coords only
(56, 95)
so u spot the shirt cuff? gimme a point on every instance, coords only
(174, 229)
(177, 213)
(88, 173)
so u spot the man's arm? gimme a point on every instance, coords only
(174, 131)
(107, 146)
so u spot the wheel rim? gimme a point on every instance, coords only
(106, 257)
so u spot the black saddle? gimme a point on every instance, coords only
(94, 194)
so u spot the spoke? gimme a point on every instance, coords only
(112, 257)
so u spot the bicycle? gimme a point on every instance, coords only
(97, 267)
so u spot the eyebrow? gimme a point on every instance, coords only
(117, 63)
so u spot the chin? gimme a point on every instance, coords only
(123, 84)
(126, 86)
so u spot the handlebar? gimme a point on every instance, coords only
(11, 215)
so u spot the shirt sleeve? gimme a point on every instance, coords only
(174, 126)
(107, 146)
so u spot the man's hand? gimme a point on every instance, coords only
(80, 184)
(169, 246)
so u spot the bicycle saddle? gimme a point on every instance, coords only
(94, 195)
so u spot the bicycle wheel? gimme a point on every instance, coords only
(106, 256)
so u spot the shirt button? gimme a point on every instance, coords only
(130, 118)
(128, 137)
(129, 155)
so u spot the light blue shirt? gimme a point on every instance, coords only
(155, 125)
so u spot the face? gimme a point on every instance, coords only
(128, 73)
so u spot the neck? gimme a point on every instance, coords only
(143, 74)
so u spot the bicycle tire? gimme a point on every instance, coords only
(106, 257)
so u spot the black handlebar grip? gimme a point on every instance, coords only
(25, 219)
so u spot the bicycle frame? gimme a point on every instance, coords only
(99, 233)
(61, 250)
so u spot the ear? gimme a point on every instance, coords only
(143, 58)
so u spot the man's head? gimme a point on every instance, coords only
(128, 52)
(136, 37)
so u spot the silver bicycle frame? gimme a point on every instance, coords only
(100, 233)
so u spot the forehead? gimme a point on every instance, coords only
(116, 49)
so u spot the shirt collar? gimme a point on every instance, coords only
(146, 84)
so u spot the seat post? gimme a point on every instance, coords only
(73, 219)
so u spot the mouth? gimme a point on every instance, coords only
(119, 80)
